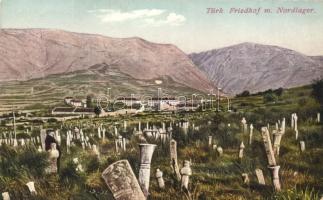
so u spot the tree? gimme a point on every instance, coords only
(317, 91)
(269, 97)
(279, 91)
(97, 110)
(244, 94)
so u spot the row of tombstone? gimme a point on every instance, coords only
(123, 183)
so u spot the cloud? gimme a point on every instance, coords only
(110, 15)
(172, 19)
(151, 17)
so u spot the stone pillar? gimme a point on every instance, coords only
(302, 146)
(210, 140)
(125, 125)
(160, 180)
(139, 126)
(244, 125)
(68, 142)
(241, 150)
(5, 196)
(318, 118)
(250, 134)
(173, 157)
(31, 187)
(186, 172)
(122, 182)
(95, 150)
(277, 139)
(146, 153)
(260, 177)
(295, 122)
(283, 126)
(115, 131)
(42, 138)
(124, 144)
(292, 121)
(296, 134)
(99, 132)
(275, 177)
(219, 150)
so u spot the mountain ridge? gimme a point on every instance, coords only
(257, 67)
(34, 53)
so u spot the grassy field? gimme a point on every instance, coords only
(213, 177)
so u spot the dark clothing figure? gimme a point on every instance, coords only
(50, 139)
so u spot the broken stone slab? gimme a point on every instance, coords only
(122, 182)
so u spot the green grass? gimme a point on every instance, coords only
(214, 176)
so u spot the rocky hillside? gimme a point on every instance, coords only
(257, 67)
(32, 53)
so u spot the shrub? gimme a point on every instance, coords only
(317, 92)
(269, 97)
(245, 93)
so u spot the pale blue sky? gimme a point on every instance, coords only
(181, 22)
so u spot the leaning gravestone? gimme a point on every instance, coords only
(173, 157)
(122, 182)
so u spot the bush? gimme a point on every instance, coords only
(317, 92)
(269, 97)
(245, 93)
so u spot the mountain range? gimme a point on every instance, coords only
(34, 53)
(257, 67)
(27, 54)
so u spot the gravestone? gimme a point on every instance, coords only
(160, 180)
(173, 157)
(146, 153)
(268, 147)
(250, 134)
(186, 172)
(31, 187)
(122, 182)
(241, 150)
(260, 177)
(302, 146)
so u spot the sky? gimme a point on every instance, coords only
(184, 23)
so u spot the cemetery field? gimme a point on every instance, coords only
(223, 154)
